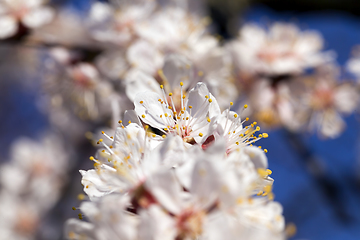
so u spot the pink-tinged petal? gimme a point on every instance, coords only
(38, 17)
(8, 26)
(151, 111)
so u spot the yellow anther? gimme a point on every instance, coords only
(129, 121)
(262, 172)
(267, 188)
(247, 119)
(257, 128)
(183, 96)
(269, 172)
(210, 100)
(206, 96)
(73, 208)
(231, 103)
(169, 107)
(265, 150)
(164, 136)
(80, 216)
(166, 114)
(161, 86)
(161, 116)
(241, 135)
(245, 106)
(146, 127)
(159, 99)
(181, 84)
(259, 147)
(154, 135)
(235, 115)
(92, 158)
(265, 135)
(208, 119)
(190, 107)
(110, 146)
(237, 143)
(141, 102)
(254, 123)
(200, 134)
(103, 151)
(260, 135)
(166, 129)
(120, 121)
(81, 197)
(143, 116)
(170, 94)
(259, 193)
(187, 118)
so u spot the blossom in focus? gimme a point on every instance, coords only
(17, 14)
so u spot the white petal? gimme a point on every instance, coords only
(38, 17)
(164, 186)
(152, 109)
(8, 26)
(204, 185)
(177, 69)
(74, 229)
(137, 81)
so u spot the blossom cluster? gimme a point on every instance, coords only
(179, 170)
(31, 183)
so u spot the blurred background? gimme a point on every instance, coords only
(316, 180)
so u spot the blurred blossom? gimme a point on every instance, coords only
(78, 86)
(322, 100)
(282, 50)
(19, 15)
(31, 183)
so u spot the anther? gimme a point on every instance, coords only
(245, 106)
(143, 116)
(141, 102)
(200, 134)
